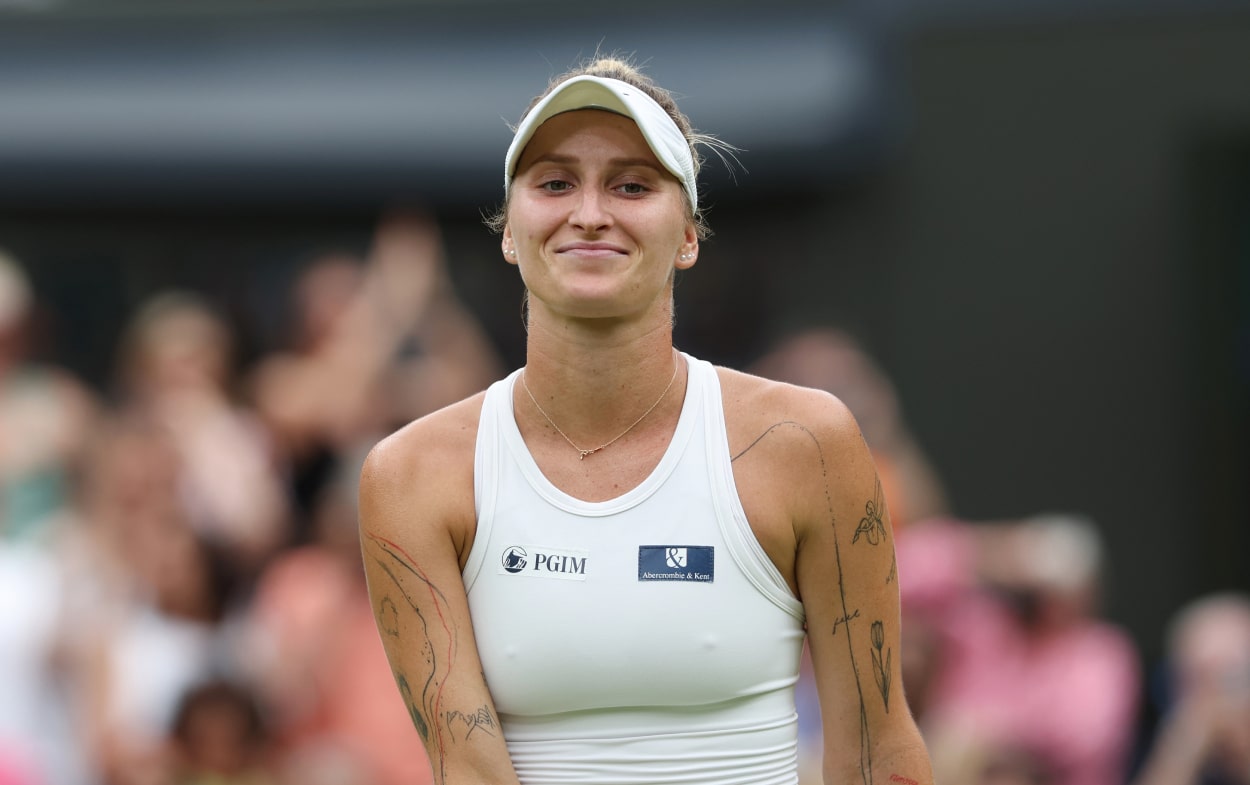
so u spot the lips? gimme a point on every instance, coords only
(591, 250)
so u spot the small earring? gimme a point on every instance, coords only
(510, 252)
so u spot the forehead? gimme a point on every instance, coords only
(588, 134)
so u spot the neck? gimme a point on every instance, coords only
(593, 378)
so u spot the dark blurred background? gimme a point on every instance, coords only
(1034, 215)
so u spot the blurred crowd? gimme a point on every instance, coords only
(1009, 665)
(181, 597)
(182, 600)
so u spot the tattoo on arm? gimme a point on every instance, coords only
(872, 528)
(402, 570)
(881, 663)
(405, 692)
(872, 525)
(865, 755)
(388, 617)
(899, 778)
(844, 619)
(463, 726)
(767, 431)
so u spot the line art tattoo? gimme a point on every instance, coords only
(760, 438)
(388, 617)
(865, 740)
(396, 562)
(893, 576)
(881, 664)
(872, 525)
(465, 725)
(405, 692)
(838, 622)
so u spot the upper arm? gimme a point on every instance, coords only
(847, 579)
(415, 494)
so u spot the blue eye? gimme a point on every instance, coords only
(633, 189)
(555, 186)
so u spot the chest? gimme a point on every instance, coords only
(654, 603)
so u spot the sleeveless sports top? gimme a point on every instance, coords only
(644, 639)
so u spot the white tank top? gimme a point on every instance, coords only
(644, 639)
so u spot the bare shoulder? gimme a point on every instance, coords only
(757, 409)
(422, 475)
(798, 455)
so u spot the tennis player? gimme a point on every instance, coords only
(603, 568)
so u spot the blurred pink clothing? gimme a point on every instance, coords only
(17, 768)
(1069, 696)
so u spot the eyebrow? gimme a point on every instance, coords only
(620, 163)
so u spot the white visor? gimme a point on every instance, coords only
(593, 92)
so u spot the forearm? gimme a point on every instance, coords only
(424, 628)
(901, 764)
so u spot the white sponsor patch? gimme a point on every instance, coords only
(536, 561)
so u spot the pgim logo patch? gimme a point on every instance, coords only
(536, 561)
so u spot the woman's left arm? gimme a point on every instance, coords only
(848, 582)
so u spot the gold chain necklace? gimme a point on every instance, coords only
(584, 453)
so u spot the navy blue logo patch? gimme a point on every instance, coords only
(676, 563)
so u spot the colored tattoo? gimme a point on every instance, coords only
(411, 581)
(463, 726)
(881, 662)
(899, 778)
(846, 619)
(872, 525)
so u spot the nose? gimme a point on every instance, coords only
(590, 211)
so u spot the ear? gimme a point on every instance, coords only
(688, 253)
(507, 246)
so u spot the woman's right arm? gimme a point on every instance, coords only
(416, 523)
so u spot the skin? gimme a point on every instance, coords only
(598, 228)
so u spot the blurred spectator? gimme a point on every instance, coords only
(126, 495)
(375, 344)
(147, 660)
(145, 601)
(1008, 766)
(1015, 673)
(45, 413)
(829, 359)
(128, 489)
(1204, 738)
(319, 660)
(175, 364)
(34, 718)
(219, 737)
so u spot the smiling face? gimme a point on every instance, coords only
(596, 222)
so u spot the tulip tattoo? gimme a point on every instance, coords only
(882, 659)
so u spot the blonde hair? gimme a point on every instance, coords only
(619, 68)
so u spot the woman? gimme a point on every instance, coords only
(601, 569)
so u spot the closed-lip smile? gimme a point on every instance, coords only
(590, 249)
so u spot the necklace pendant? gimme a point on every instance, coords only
(584, 454)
